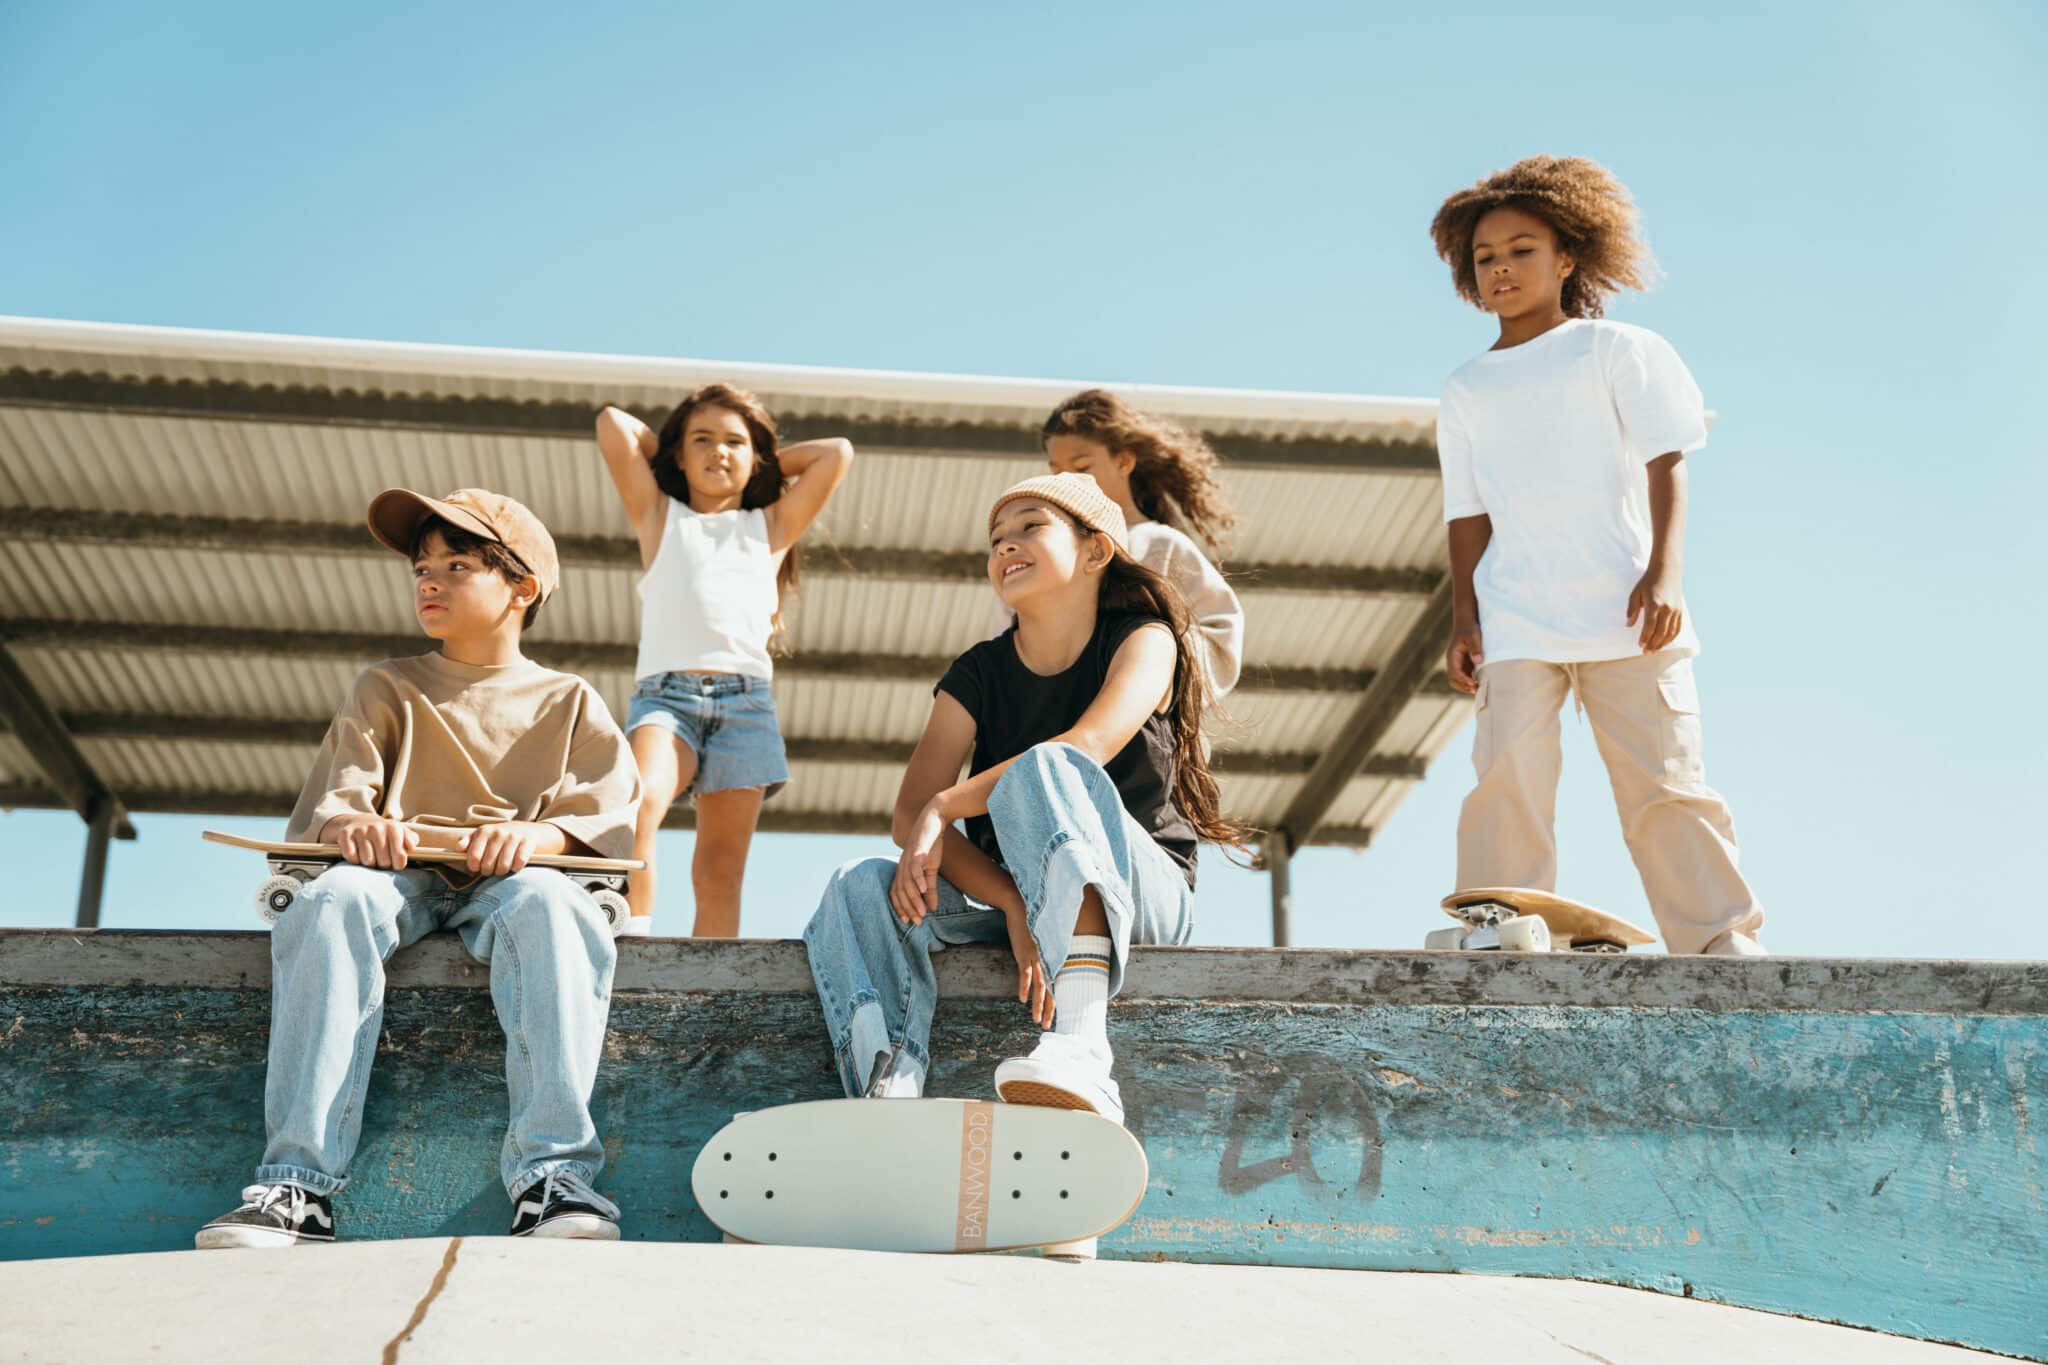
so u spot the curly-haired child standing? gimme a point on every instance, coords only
(1563, 451)
(1163, 478)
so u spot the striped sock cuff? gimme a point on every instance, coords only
(1087, 953)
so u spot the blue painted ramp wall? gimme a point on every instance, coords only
(1853, 1141)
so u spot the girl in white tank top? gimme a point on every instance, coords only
(718, 510)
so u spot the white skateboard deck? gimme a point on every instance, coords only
(919, 1175)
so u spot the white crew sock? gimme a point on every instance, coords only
(1080, 993)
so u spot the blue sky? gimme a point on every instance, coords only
(1844, 199)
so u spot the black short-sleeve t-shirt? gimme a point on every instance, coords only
(1014, 708)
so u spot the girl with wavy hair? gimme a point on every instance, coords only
(1162, 477)
(718, 506)
(1088, 792)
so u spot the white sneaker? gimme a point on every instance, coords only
(1063, 1072)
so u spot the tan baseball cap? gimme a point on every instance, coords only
(396, 514)
(1076, 494)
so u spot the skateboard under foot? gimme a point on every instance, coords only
(1516, 919)
(920, 1175)
(293, 865)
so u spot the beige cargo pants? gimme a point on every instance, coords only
(1645, 715)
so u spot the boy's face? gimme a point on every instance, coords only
(456, 596)
(1081, 455)
(1517, 264)
(718, 451)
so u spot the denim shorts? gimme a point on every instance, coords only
(727, 720)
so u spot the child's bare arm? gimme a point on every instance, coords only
(934, 766)
(628, 446)
(1659, 597)
(932, 847)
(815, 470)
(1469, 539)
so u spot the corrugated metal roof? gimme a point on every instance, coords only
(279, 618)
(875, 395)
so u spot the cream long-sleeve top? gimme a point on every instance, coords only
(437, 743)
(1217, 614)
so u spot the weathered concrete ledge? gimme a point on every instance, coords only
(1296, 976)
(1841, 1139)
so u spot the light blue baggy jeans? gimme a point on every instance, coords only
(1062, 828)
(551, 959)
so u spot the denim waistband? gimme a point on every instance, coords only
(708, 684)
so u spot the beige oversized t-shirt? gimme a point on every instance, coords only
(443, 744)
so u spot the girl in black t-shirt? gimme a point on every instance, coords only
(1089, 791)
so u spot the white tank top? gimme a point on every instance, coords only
(708, 600)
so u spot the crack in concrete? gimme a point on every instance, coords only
(419, 1311)
(1590, 1355)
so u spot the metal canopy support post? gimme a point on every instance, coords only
(51, 748)
(1278, 852)
(92, 877)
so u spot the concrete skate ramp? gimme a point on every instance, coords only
(467, 1299)
(1851, 1141)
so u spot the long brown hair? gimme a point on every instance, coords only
(1174, 479)
(1128, 586)
(764, 486)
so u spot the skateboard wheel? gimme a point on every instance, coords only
(614, 908)
(1525, 934)
(1444, 939)
(1083, 1250)
(275, 897)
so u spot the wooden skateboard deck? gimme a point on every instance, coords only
(919, 1175)
(1572, 925)
(294, 864)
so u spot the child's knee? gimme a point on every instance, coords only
(1043, 771)
(542, 897)
(345, 901)
(653, 808)
(861, 881)
(857, 892)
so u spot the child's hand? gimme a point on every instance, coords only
(914, 891)
(372, 840)
(502, 849)
(1657, 600)
(1033, 989)
(1465, 655)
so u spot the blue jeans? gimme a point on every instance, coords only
(729, 722)
(551, 959)
(1062, 828)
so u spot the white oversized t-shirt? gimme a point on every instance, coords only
(1549, 440)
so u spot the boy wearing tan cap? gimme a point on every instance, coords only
(470, 746)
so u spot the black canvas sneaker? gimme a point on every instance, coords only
(562, 1205)
(281, 1215)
